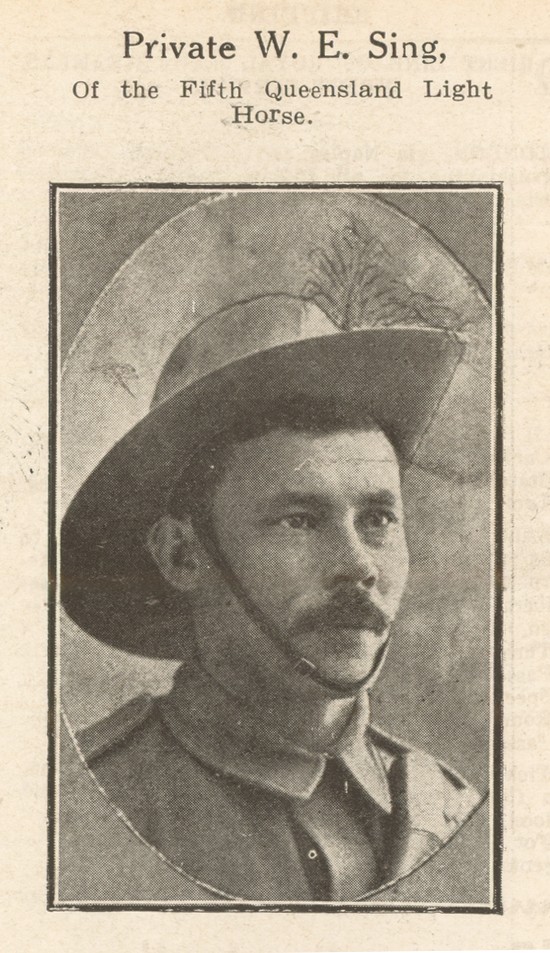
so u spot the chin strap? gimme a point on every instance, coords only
(204, 530)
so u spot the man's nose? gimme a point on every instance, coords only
(351, 560)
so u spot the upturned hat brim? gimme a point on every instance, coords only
(109, 584)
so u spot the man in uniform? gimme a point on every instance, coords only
(252, 527)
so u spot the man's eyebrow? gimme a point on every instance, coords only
(289, 498)
(380, 498)
(319, 500)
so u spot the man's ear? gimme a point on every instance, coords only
(174, 547)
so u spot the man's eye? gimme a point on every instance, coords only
(379, 519)
(297, 521)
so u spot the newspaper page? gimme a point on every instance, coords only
(275, 485)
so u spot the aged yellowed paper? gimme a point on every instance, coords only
(275, 504)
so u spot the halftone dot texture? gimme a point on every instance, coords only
(321, 246)
(239, 247)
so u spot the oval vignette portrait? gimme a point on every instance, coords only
(274, 678)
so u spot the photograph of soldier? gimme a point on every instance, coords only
(252, 527)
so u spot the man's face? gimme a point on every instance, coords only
(313, 528)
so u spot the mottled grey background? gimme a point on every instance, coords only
(100, 230)
(435, 688)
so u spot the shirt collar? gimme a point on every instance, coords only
(220, 730)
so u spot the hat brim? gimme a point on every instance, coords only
(110, 586)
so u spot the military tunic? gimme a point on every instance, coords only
(224, 797)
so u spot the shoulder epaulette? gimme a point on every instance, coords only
(462, 797)
(115, 728)
(434, 789)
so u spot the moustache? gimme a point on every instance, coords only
(347, 610)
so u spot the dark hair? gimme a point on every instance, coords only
(195, 488)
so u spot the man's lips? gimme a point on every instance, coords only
(363, 624)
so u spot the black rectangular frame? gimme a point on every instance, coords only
(497, 819)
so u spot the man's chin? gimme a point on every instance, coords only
(353, 657)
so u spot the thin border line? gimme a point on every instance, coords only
(287, 186)
(498, 580)
(52, 547)
(53, 727)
